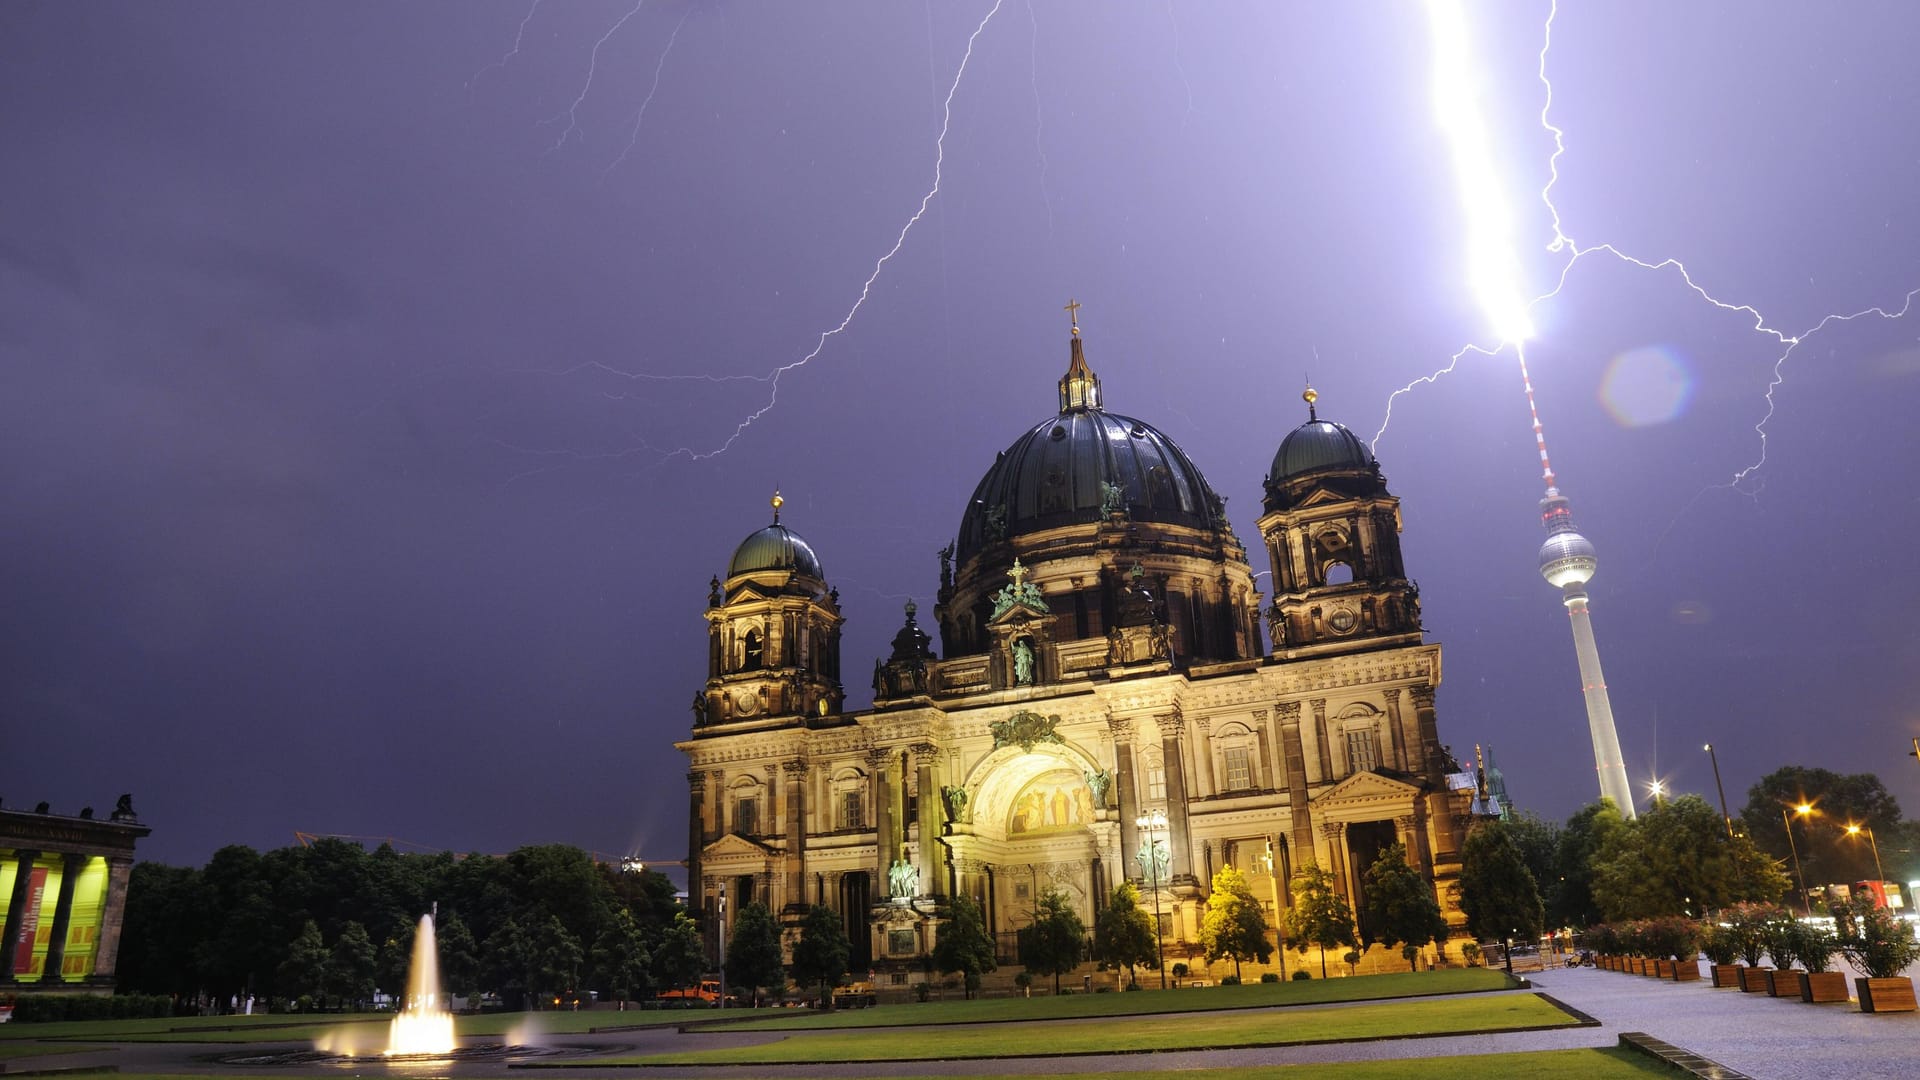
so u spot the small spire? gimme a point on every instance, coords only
(1310, 396)
(1079, 387)
(777, 503)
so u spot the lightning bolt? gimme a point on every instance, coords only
(866, 287)
(634, 139)
(593, 63)
(1512, 322)
(518, 40)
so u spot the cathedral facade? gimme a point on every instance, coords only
(1102, 705)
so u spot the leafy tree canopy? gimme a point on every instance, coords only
(820, 956)
(1319, 916)
(753, 951)
(1234, 927)
(1053, 943)
(1828, 855)
(963, 945)
(1497, 891)
(1123, 939)
(1400, 904)
(1676, 859)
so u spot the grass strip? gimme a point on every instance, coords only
(12, 1050)
(120, 1029)
(1146, 1034)
(1146, 1002)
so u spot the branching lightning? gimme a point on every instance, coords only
(640, 117)
(518, 40)
(866, 287)
(1494, 271)
(1039, 116)
(593, 64)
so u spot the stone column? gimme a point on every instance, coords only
(1320, 738)
(1405, 750)
(113, 912)
(62, 915)
(933, 854)
(878, 784)
(1203, 757)
(1335, 833)
(1263, 776)
(1446, 836)
(696, 836)
(1129, 800)
(1179, 843)
(16, 910)
(796, 771)
(717, 802)
(1295, 756)
(1408, 828)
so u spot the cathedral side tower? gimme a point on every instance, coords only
(1332, 531)
(773, 638)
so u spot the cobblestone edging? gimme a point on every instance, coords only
(1686, 1060)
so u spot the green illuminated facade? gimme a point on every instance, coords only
(64, 880)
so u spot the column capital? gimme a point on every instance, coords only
(1319, 708)
(1405, 822)
(925, 754)
(1172, 725)
(878, 756)
(697, 780)
(1422, 696)
(719, 777)
(796, 770)
(1259, 716)
(1288, 711)
(1333, 830)
(1121, 727)
(1205, 724)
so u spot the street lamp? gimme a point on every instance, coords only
(1279, 912)
(1855, 830)
(1721, 788)
(1656, 790)
(723, 945)
(1802, 810)
(1155, 823)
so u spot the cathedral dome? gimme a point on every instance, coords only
(775, 547)
(1059, 473)
(1323, 450)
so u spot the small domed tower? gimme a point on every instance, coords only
(1333, 534)
(773, 637)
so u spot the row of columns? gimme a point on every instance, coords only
(106, 945)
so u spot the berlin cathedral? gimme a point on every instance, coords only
(1102, 705)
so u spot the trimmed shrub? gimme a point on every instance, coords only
(1270, 977)
(1231, 980)
(1302, 975)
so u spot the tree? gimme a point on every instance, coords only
(1570, 902)
(963, 945)
(753, 951)
(394, 960)
(553, 958)
(1827, 855)
(679, 958)
(1676, 859)
(508, 959)
(1319, 916)
(1400, 905)
(1123, 938)
(1539, 843)
(304, 972)
(1497, 891)
(459, 964)
(351, 968)
(1234, 927)
(620, 959)
(1052, 944)
(820, 956)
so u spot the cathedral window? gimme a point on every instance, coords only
(754, 655)
(746, 816)
(1156, 779)
(1239, 768)
(1363, 750)
(850, 817)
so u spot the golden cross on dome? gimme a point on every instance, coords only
(1073, 312)
(777, 503)
(1018, 573)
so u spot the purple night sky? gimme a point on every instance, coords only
(345, 348)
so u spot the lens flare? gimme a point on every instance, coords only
(1648, 385)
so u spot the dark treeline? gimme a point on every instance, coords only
(331, 922)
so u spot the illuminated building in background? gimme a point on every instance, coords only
(64, 881)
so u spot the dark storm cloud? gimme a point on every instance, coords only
(337, 402)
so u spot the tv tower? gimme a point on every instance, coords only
(1567, 561)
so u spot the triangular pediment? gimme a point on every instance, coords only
(1019, 615)
(1321, 496)
(731, 846)
(1367, 787)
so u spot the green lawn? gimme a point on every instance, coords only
(1082, 1006)
(299, 1028)
(126, 1029)
(18, 1049)
(1215, 1030)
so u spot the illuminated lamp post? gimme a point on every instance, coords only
(1806, 900)
(1155, 824)
(1721, 788)
(1855, 831)
(1656, 790)
(723, 945)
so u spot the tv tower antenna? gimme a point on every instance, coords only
(1567, 561)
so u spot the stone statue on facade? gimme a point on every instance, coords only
(699, 709)
(903, 880)
(1022, 663)
(956, 798)
(1113, 499)
(1098, 783)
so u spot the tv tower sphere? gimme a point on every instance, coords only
(1567, 561)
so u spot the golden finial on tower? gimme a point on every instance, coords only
(1073, 312)
(777, 502)
(1310, 396)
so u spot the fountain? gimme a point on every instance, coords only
(424, 1025)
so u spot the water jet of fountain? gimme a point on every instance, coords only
(425, 1024)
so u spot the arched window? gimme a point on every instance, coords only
(1236, 747)
(1156, 778)
(1339, 573)
(753, 655)
(1363, 748)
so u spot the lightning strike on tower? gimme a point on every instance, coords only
(1567, 558)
